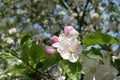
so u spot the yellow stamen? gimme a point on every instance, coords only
(71, 50)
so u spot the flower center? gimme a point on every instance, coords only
(63, 39)
(71, 50)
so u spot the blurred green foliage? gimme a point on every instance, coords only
(27, 25)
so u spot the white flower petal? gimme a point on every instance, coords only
(56, 44)
(64, 53)
(73, 58)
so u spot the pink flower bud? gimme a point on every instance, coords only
(68, 29)
(54, 39)
(50, 50)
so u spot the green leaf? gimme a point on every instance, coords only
(37, 53)
(73, 70)
(25, 50)
(98, 38)
(6, 55)
(17, 68)
(24, 55)
(93, 53)
(24, 38)
(51, 60)
(117, 65)
(6, 1)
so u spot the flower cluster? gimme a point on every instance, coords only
(66, 44)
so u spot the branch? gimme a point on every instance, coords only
(82, 18)
(82, 76)
(37, 73)
(69, 6)
(118, 51)
(63, 3)
(105, 47)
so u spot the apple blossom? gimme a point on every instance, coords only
(3, 36)
(12, 30)
(69, 48)
(93, 69)
(70, 31)
(94, 16)
(58, 73)
(50, 50)
(63, 12)
(67, 44)
(9, 40)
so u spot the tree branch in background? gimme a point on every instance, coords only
(105, 47)
(81, 21)
(118, 51)
(63, 3)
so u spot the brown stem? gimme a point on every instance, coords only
(81, 21)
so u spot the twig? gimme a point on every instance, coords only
(27, 64)
(82, 76)
(63, 3)
(82, 18)
(118, 51)
(105, 47)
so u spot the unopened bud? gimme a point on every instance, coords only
(68, 29)
(50, 50)
(55, 39)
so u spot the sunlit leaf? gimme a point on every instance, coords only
(6, 55)
(73, 70)
(24, 38)
(17, 68)
(98, 38)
